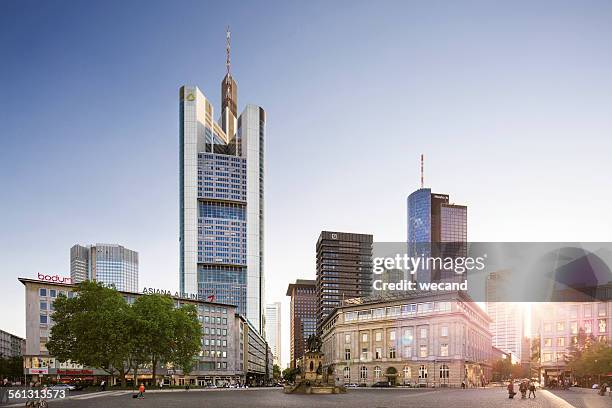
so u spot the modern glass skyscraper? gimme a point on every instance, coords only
(273, 330)
(221, 200)
(434, 227)
(107, 263)
(303, 315)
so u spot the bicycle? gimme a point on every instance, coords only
(41, 403)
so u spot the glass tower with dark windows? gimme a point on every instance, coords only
(435, 228)
(111, 264)
(221, 200)
(344, 269)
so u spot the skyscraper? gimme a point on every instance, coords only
(344, 269)
(110, 264)
(437, 226)
(273, 330)
(303, 315)
(221, 199)
(507, 317)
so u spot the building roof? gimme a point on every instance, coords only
(302, 283)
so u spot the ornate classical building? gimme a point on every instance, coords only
(427, 340)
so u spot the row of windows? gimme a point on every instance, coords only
(422, 372)
(411, 309)
(587, 326)
(423, 351)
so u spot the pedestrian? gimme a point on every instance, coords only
(531, 390)
(523, 389)
(141, 391)
(511, 392)
(161, 384)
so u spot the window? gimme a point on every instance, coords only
(444, 350)
(364, 337)
(444, 331)
(407, 351)
(422, 372)
(43, 305)
(423, 351)
(547, 327)
(588, 326)
(444, 371)
(588, 310)
(52, 293)
(573, 312)
(347, 338)
(601, 309)
(364, 353)
(42, 292)
(574, 327)
(546, 357)
(378, 336)
(547, 342)
(407, 373)
(392, 335)
(347, 354)
(423, 332)
(43, 319)
(363, 372)
(378, 353)
(602, 324)
(391, 352)
(561, 341)
(560, 326)
(408, 336)
(347, 373)
(377, 372)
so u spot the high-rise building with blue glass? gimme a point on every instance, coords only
(111, 264)
(221, 200)
(435, 226)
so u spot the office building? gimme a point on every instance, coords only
(560, 325)
(435, 228)
(222, 199)
(302, 315)
(232, 350)
(507, 318)
(344, 269)
(11, 345)
(110, 264)
(273, 330)
(424, 341)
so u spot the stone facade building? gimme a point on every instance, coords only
(426, 341)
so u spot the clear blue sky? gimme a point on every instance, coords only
(510, 102)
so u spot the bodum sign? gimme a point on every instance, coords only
(54, 279)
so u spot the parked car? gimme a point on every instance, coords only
(352, 385)
(65, 387)
(381, 384)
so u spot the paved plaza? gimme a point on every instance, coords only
(354, 398)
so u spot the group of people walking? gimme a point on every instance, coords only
(524, 387)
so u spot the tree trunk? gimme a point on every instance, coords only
(154, 372)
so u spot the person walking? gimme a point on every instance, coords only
(141, 391)
(511, 392)
(531, 390)
(523, 389)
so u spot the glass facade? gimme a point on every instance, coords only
(113, 265)
(221, 203)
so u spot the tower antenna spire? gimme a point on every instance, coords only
(227, 48)
(422, 159)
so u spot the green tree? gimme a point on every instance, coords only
(276, 372)
(155, 325)
(290, 373)
(11, 367)
(93, 329)
(186, 337)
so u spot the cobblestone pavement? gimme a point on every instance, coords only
(354, 398)
(581, 398)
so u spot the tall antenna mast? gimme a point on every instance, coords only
(422, 159)
(227, 49)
